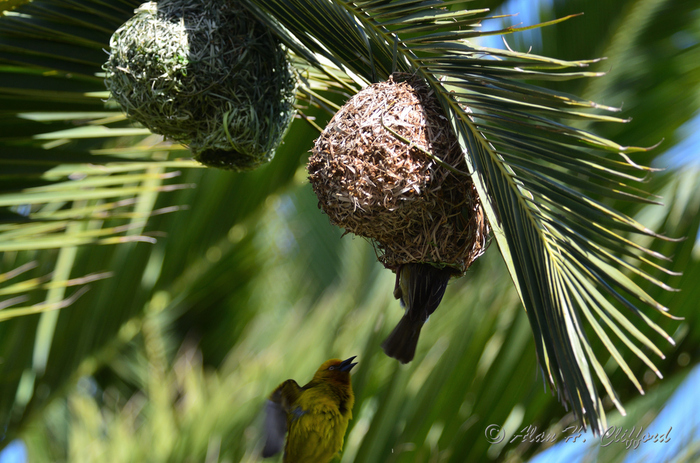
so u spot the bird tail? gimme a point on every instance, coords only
(401, 343)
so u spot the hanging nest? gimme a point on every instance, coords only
(372, 175)
(207, 74)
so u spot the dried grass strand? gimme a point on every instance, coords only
(372, 176)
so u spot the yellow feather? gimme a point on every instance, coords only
(317, 414)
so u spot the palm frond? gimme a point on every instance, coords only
(72, 172)
(532, 170)
(568, 253)
(18, 290)
(60, 188)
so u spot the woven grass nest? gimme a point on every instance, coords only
(207, 74)
(372, 176)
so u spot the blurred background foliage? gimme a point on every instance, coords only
(208, 288)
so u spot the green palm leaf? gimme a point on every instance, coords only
(540, 179)
(65, 179)
(533, 172)
(50, 53)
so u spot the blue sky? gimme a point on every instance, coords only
(682, 411)
(681, 415)
(14, 453)
(686, 152)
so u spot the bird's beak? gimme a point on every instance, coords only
(346, 365)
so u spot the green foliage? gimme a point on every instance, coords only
(535, 175)
(247, 284)
(434, 409)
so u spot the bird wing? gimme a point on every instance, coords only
(276, 409)
(425, 287)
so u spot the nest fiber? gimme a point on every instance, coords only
(206, 74)
(371, 173)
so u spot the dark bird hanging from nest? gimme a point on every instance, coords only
(389, 167)
(420, 288)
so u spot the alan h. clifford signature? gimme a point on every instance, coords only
(630, 438)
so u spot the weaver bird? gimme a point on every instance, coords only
(420, 288)
(314, 417)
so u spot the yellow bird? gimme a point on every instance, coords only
(315, 416)
(420, 288)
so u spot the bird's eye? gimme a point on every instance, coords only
(332, 367)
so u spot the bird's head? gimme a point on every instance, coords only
(335, 370)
